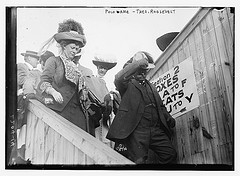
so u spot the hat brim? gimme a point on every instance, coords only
(69, 36)
(107, 65)
(32, 55)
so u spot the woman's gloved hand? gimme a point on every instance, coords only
(56, 95)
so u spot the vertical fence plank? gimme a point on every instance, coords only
(183, 140)
(225, 86)
(223, 59)
(39, 141)
(57, 152)
(197, 119)
(181, 54)
(165, 67)
(49, 145)
(230, 16)
(186, 48)
(35, 141)
(30, 149)
(206, 30)
(78, 156)
(28, 153)
(175, 58)
(228, 38)
(205, 112)
(178, 140)
(170, 63)
(69, 148)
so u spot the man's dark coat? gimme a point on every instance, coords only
(131, 110)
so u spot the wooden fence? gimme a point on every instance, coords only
(51, 139)
(208, 39)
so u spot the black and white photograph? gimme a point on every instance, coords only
(120, 88)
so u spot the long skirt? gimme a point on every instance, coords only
(73, 113)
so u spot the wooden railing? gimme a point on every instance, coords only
(51, 139)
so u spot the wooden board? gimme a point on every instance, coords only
(39, 142)
(65, 132)
(211, 51)
(49, 145)
(221, 42)
(29, 136)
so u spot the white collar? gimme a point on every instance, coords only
(102, 77)
(29, 66)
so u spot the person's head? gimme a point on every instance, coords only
(44, 57)
(101, 70)
(104, 63)
(140, 74)
(32, 58)
(70, 37)
(70, 48)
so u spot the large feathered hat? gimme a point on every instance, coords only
(70, 30)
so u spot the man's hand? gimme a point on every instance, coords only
(141, 59)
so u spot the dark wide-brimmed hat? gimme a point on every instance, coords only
(31, 53)
(164, 40)
(105, 61)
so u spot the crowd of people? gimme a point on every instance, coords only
(132, 119)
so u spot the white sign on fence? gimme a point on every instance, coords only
(178, 89)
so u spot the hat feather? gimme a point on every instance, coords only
(70, 25)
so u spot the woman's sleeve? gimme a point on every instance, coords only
(48, 74)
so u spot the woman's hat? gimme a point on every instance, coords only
(67, 30)
(72, 35)
(70, 30)
(105, 61)
(32, 54)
